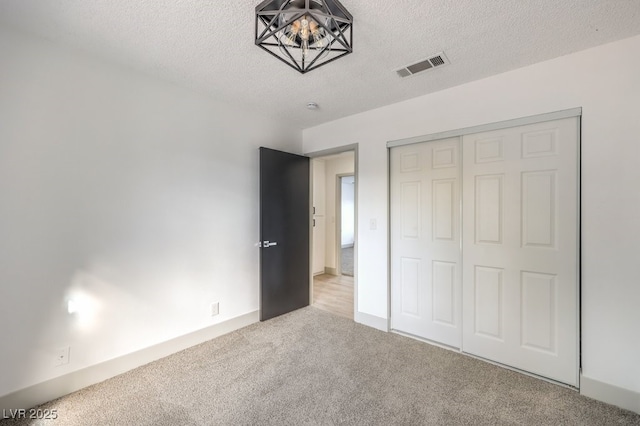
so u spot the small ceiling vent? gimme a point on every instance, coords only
(434, 61)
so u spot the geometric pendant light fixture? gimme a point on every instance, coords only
(305, 34)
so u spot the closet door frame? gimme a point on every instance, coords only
(516, 122)
(552, 116)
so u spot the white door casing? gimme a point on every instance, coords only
(426, 295)
(520, 247)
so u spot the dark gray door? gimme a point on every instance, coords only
(284, 232)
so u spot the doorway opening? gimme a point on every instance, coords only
(346, 198)
(334, 234)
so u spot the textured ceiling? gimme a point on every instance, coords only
(208, 45)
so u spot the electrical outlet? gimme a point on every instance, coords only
(61, 356)
(215, 309)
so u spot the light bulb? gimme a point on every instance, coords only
(304, 31)
(304, 36)
(293, 33)
(317, 37)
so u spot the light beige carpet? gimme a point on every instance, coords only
(310, 367)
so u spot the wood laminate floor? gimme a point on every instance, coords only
(334, 293)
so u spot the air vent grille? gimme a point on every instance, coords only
(433, 61)
(437, 60)
(419, 67)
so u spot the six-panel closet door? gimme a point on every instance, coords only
(503, 286)
(426, 290)
(520, 241)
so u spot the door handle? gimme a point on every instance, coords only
(268, 244)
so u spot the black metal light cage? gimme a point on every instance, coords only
(274, 17)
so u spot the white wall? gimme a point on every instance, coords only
(343, 164)
(605, 82)
(347, 211)
(136, 195)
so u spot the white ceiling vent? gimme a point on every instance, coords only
(434, 61)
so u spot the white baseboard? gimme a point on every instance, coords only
(610, 394)
(331, 271)
(55, 388)
(373, 321)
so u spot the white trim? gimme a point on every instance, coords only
(373, 321)
(334, 151)
(516, 122)
(623, 398)
(63, 385)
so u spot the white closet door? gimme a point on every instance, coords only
(520, 222)
(426, 290)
